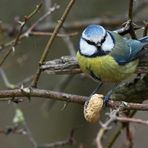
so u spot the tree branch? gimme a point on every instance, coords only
(9, 95)
(22, 25)
(15, 94)
(50, 41)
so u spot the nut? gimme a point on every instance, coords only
(93, 107)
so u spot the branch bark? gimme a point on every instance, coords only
(10, 95)
(15, 94)
(69, 65)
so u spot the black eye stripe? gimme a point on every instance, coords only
(94, 44)
(112, 38)
(104, 38)
(89, 42)
(99, 52)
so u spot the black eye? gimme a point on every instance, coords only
(89, 42)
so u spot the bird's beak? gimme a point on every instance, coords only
(99, 44)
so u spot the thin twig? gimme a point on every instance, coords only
(69, 43)
(131, 106)
(145, 32)
(50, 41)
(10, 44)
(115, 136)
(130, 20)
(47, 5)
(129, 135)
(29, 134)
(10, 85)
(51, 10)
(105, 127)
(29, 31)
(126, 121)
(113, 22)
(118, 132)
(12, 130)
(130, 10)
(113, 116)
(132, 120)
(37, 33)
(26, 19)
(24, 81)
(69, 141)
(18, 120)
(109, 21)
(5, 79)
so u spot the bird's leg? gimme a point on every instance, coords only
(97, 88)
(109, 93)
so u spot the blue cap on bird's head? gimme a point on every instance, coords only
(94, 32)
(95, 41)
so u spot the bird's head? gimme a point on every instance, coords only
(95, 41)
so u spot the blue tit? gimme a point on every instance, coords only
(106, 55)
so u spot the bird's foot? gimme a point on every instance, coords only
(106, 99)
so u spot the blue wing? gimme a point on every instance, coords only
(124, 50)
(144, 40)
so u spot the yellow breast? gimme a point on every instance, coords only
(106, 68)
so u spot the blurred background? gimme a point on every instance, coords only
(47, 122)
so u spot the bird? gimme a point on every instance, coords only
(107, 56)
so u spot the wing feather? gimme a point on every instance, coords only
(125, 50)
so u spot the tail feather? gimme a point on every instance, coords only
(144, 40)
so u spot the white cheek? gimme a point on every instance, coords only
(87, 49)
(108, 43)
